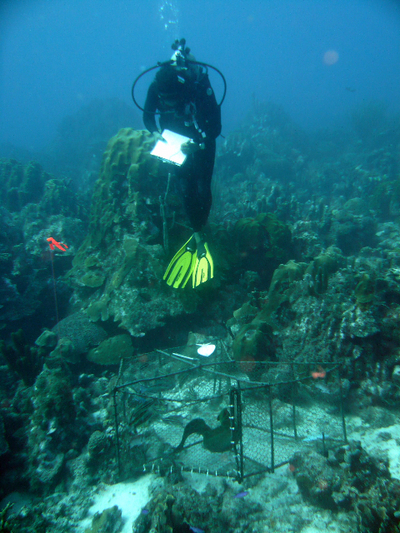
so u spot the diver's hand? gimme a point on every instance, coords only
(189, 147)
(158, 137)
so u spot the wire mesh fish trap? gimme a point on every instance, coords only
(175, 412)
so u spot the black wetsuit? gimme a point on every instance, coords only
(197, 116)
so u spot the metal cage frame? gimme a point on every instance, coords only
(238, 387)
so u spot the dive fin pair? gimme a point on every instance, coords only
(192, 260)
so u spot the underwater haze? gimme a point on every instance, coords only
(316, 58)
(211, 346)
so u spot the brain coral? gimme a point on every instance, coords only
(82, 333)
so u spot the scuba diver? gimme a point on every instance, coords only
(182, 96)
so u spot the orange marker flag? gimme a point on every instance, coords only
(55, 244)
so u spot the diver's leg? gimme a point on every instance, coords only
(196, 176)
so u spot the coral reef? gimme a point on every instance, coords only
(38, 206)
(82, 137)
(322, 267)
(181, 509)
(76, 335)
(259, 243)
(254, 342)
(21, 184)
(349, 479)
(3, 442)
(109, 521)
(52, 428)
(306, 244)
(23, 359)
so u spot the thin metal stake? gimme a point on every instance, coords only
(116, 431)
(342, 407)
(294, 388)
(271, 426)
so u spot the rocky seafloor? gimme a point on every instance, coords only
(305, 238)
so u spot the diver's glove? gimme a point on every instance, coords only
(190, 147)
(158, 137)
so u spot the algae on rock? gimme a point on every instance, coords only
(264, 232)
(112, 350)
(322, 267)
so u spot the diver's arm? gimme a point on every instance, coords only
(211, 110)
(150, 107)
(214, 121)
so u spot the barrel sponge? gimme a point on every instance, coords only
(118, 269)
(125, 169)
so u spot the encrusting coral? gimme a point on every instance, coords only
(23, 359)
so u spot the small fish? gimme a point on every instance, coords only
(196, 529)
(173, 419)
(323, 388)
(145, 511)
(319, 374)
(241, 494)
(142, 413)
(162, 385)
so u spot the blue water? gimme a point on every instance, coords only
(317, 58)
